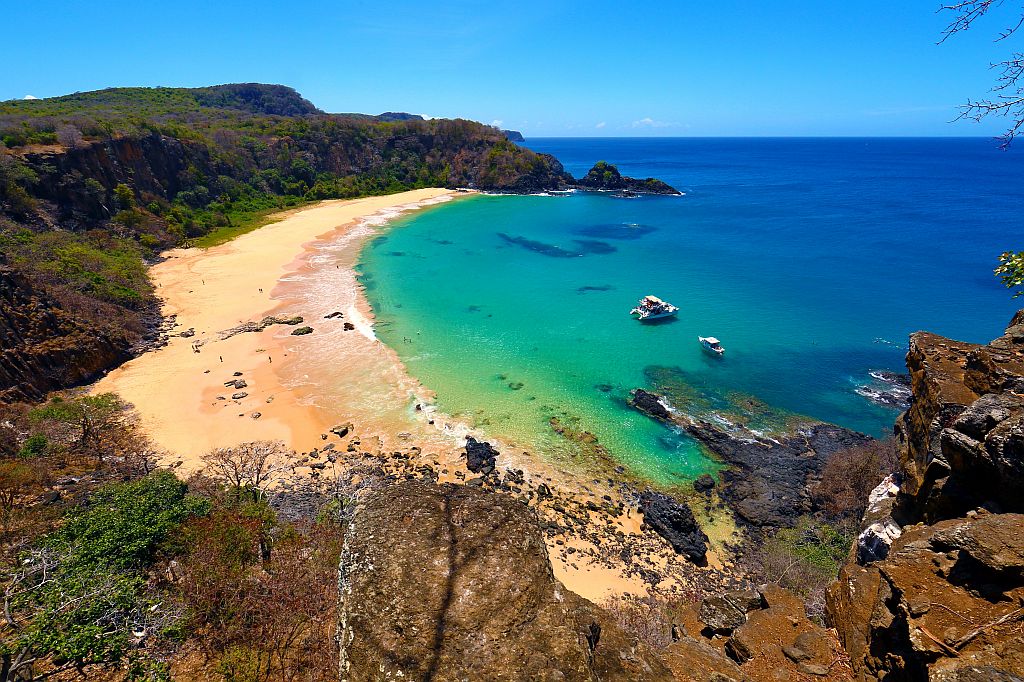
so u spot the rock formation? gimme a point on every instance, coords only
(938, 592)
(453, 583)
(767, 482)
(605, 176)
(674, 521)
(43, 347)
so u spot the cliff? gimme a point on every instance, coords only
(938, 592)
(44, 346)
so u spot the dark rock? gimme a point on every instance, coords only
(342, 430)
(348, 326)
(704, 483)
(301, 331)
(674, 521)
(649, 404)
(480, 456)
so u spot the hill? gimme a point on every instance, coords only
(94, 183)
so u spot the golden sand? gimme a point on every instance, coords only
(178, 390)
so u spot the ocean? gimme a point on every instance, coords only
(811, 259)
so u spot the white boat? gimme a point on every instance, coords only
(653, 308)
(711, 344)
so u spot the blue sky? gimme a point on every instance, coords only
(729, 67)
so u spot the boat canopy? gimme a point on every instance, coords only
(712, 340)
(653, 299)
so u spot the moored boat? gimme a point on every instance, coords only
(653, 308)
(712, 345)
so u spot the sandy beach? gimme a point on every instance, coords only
(223, 378)
(179, 390)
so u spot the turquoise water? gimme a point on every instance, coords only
(812, 260)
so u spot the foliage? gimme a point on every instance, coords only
(1011, 271)
(80, 597)
(804, 559)
(81, 421)
(850, 475)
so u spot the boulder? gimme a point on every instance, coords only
(723, 613)
(674, 521)
(453, 583)
(480, 456)
(703, 483)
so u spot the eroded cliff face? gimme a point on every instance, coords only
(946, 600)
(43, 347)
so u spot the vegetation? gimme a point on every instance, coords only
(132, 569)
(1011, 271)
(93, 184)
(848, 478)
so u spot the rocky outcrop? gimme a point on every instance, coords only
(949, 598)
(965, 428)
(453, 583)
(938, 588)
(674, 521)
(606, 177)
(767, 483)
(44, 347)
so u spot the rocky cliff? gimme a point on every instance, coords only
(44, 346)
(938, 592)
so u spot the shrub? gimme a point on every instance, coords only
(81, 597)
(850, 475)
(804, 559)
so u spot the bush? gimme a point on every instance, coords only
(81, 596)
(850, 475)
(804, 559)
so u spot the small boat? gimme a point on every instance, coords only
(712, 345)
(653, 308)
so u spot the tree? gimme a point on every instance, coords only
(1008, 92)
(247, 465)
(1011, 271)
(85, 421)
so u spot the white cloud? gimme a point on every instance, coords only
(426, 117)
(602, 124)
(30, 97)
(497, 122)
(648, 122)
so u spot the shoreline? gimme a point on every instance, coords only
(297, 388)
(179, 391)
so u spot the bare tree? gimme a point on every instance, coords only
(1008, 93)
(247, 464)
(69, 136)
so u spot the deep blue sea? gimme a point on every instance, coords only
(811, 259)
